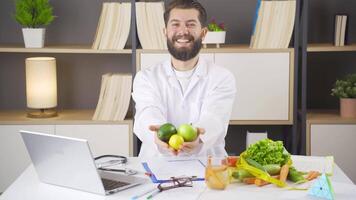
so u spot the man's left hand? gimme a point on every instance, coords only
(190, 147)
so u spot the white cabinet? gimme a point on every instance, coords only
(262, 82)
(13, 154)
(330, 135)
(102, 138)
(337, 140)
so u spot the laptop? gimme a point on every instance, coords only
(68, 162)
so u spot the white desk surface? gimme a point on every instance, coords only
(27, 186)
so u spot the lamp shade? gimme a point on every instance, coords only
(41, 82)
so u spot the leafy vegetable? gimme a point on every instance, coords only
(268, 152)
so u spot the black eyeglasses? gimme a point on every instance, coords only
(176, 182)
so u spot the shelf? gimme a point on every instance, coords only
(224, 48)
(85, 49)
(64, 117)
(327, 117)
(330, 48)
(260, 122)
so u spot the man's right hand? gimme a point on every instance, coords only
(162, 146)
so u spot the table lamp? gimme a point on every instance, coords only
(41, 87)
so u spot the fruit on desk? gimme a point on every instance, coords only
(175, 141)
(166, 131)
(188, 132)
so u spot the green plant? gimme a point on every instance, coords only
(345, 88)
(215, 27)
(33, 13)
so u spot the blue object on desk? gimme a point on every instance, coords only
(154, 178)
(322, 188)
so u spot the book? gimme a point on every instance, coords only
(273, 24)
(340, 29)
(113, 26)
(114, 97)
(100, 27)
(103, 90)
(150, 25)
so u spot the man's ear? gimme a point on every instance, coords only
(204, 31)
(165, 32)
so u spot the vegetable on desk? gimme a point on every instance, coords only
(295, 176)
(272, 169)
(241, 174)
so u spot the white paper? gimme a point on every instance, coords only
(165, 169)
(322, 164)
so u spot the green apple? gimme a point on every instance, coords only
(188, 132)
(175, 141)
(166, 131)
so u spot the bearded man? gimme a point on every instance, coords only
(186, 89)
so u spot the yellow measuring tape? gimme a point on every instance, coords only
(258, 173)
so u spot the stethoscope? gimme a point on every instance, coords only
(118, 160)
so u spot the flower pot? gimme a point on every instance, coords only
(34, 37)
(214, 38)
(348, 107)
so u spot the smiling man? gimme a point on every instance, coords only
(184, 90)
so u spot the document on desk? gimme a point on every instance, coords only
(161, 170)
(322, 164)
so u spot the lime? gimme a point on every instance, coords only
(166, 131)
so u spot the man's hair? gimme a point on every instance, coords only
(187, 4)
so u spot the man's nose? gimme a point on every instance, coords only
(183, 30)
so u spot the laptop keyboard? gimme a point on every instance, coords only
(111, 184)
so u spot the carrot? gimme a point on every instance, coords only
(312, 175)
(284, 173)
(260, 182)
(250, 180)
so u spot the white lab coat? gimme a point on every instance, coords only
(206, 103)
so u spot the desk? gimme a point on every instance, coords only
(27, 186)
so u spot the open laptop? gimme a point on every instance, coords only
(68, 162)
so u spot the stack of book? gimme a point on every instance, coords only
(340, 30)
(114, 97)
(150, 25)
(113, 26)
(273, 25)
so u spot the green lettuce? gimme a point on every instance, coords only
(268, 152)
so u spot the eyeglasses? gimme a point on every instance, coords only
(176, 182)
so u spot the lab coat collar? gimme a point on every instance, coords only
(200, 71)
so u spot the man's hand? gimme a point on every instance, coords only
(160, 144)
(189, 147)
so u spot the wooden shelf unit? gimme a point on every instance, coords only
(320, 47)
(64, 117)
(327, 117)
(85, 49)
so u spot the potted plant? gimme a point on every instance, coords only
(33, 15)
(345, 89)
(215, 35)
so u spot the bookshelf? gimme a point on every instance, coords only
(323, 47)
(322, 64)
(83, 49)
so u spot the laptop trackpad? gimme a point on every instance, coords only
(116, 181)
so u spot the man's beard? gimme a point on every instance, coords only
(184, 53)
